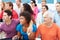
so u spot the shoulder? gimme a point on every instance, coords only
(34, 28)
(41, 26)
(55, 25)
(19, 27)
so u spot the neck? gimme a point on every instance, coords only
(26, 25)
(48, 24)
(19, 5)
(8, 22)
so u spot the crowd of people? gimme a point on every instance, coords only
(23, 21)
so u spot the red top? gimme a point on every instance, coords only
(1, 14)
(14, 13)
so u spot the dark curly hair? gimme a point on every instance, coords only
(27, 7)
(27, 16)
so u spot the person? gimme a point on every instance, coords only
(1, 11)
(48, 30)
(9, 5)
(8, 26)
(57, 14)
(25, 30)
(40, 19)
(34, 8)
(17, 6)
(27, 7)
(43, 2)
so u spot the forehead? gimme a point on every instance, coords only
(57, 4)
(43, 7)
(6, 4)
(22, 17)
(17, 0)
(4, 13)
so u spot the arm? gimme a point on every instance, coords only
(58, 33)
(17, 37)
(57, 19)
(32, 36)
(38, 32)
(33, 33)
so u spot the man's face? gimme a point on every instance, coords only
(7, 6)
(43, 3)
(5, 16)
(58, 7)
(17, 2)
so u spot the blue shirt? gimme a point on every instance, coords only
(57, 18)
(24, 34)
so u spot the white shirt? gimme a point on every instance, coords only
(15, 7)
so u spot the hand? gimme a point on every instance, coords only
(15, 37)
(31, 36)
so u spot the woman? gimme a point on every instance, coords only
(34, 8)
(48, 30)
(25, 30)
(26, 7)
(40, 18)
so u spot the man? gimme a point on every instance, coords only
(9, 6)
(9, 25)
(48, 30)
(57, 14)
(17, 6)
(40, 18)
(43, 2)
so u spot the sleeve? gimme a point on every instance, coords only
(18, 28)
(58, 33)
(15, 15)
(34, 28)
(38, 32)
(57, 19)
(1, 27)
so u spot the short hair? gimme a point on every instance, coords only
(10, 4)
(28, 8)
(43, 0)
(27, 16)
(9, 13)
(58, 2)
(46, 7)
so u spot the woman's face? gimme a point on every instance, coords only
(22, 20)
(44, 9)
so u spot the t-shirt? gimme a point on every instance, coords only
(15, 15)
(52, 33)
(24, 34)
(10, 30)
